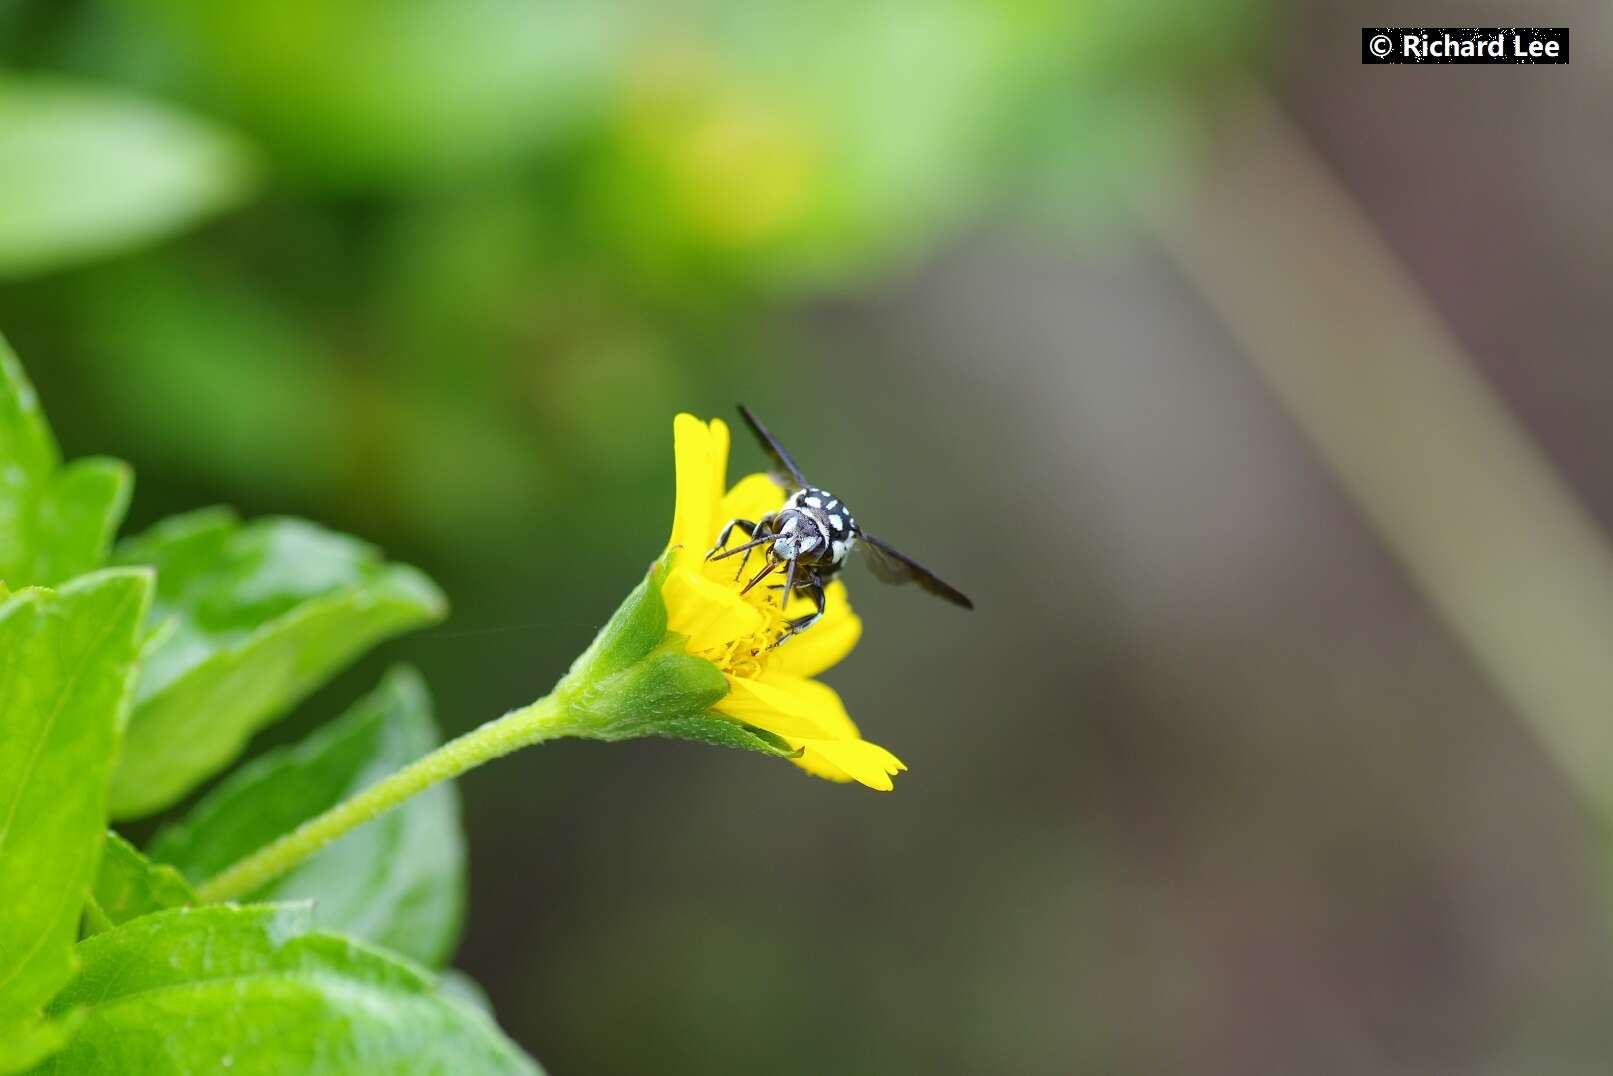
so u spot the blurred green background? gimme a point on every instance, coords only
(1202, 787)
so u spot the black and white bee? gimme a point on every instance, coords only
(810, 538)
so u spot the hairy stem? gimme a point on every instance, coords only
(543, 720)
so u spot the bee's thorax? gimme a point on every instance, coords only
(814, 525)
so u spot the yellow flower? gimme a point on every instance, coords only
(769, 688)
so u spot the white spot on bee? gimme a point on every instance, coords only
(836, 522)
(834, 502)
(839, 550)
(814, 502)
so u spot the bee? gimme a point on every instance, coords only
(810, 538)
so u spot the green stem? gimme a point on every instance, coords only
(543, 720)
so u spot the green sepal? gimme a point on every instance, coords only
(128, 885)
(670, 693)
(726, 732)
(664, 686)
(637, 627)
(635, 679)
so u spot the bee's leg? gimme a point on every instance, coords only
(722, 539)
(813, 590)
(789, 583)
(765, 526)
(766, 569)
(759, 533)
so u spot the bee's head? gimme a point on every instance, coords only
(794, 539)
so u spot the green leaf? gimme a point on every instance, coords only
(55, 522)
(247, 989)
(66, 660)
(129, 885)
(372, 92)
(398, 880)
(85, 171)
(26, 1045)
(256, 616)
(456, 984)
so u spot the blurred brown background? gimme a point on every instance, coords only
(1205, 785)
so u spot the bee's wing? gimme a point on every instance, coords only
(891, 566)
(787, 472)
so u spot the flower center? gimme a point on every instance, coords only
(747, 655)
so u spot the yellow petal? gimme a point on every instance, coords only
(788, 706)
(719, 464)
(710, 615)
(856, 760)
(752, 497)
(701, 455)
(825, 643)
(816, 764)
